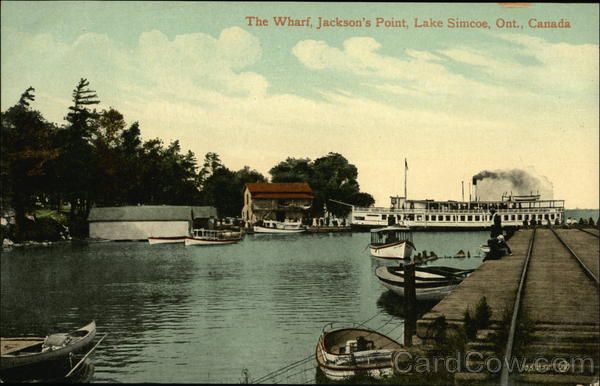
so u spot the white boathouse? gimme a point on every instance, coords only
(141, 222)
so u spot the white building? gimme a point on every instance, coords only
(141, 222)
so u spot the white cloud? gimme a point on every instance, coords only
(197, 88)
(556, 67)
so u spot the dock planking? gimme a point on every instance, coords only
(558, 297)
(585, 245)
(557, 290)
(497, 280)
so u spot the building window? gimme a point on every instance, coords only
(448, 218)
(477, 218)
(469, 218)
(462, 218)
(426, 217)
(384, 216)
(520, 217)
(360, 218)
(512, 217)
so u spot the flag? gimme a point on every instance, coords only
(405, 164)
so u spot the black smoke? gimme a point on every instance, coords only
(492, 184)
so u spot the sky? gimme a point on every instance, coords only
(452, 101)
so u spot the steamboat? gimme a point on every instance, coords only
(515, 211)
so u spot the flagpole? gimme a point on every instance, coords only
(405, 172)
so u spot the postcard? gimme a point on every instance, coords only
(299, 192)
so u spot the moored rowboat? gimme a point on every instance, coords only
(342, 352)
(16, 355)
(431, 283)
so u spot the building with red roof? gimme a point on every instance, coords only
(276, 201)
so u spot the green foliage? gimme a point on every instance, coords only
(331, 177)
(77, 169)
(224, 189)
(469, 325)
(27, 148)
(43, 229)
(212, 162)
(448, 341)
(500, 336)
(523, 334)
(292, 170)
(483, 313)
(96, 159)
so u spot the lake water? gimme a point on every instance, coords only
(202, 314)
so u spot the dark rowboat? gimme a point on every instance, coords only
(20, 353)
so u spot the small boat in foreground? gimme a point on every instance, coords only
(393, 242)
(166, 240)
(18, 354)
(343, 352)
(272, 226)
(213, 237)
(431, 283)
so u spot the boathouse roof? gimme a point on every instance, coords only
(151, 213)
(280, 190)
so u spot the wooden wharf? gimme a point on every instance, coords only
(328, 229)
(559, 298)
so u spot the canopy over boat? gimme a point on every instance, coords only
(391, 234)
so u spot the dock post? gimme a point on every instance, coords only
(410, 304)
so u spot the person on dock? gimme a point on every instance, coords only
(497, 233)
(496, 224)
(502, 244)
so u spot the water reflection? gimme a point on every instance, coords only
(54, 374)
(202, 314)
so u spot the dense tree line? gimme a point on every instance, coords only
(331, 177)
(96, 158)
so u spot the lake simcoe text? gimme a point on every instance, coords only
(321, 22)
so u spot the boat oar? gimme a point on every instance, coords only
(462, 272)
(84, 357)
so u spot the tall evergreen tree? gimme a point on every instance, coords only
(26, 151)
(76, 168)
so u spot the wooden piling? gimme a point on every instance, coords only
(410, 304)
